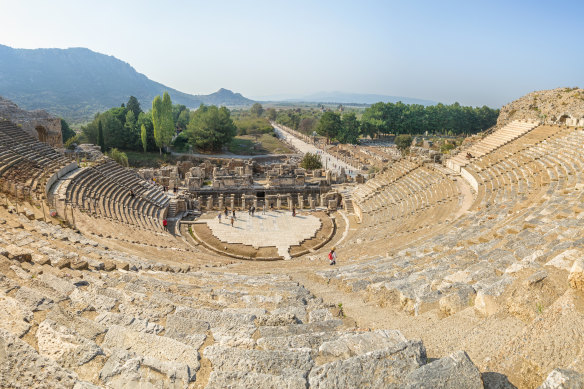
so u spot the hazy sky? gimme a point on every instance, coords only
(474, 52)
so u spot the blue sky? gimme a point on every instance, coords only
(474, 52)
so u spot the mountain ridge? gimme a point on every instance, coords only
(77, 82)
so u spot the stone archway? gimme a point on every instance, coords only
(42, 133)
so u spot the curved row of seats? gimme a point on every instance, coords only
(88, 324)
(25, 163)
(491, 142)
(405, 198)
(105, 189)
(524, 226)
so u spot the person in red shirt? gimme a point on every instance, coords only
(165, 224)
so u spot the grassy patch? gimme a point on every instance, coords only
(152, 159)
(255, 145)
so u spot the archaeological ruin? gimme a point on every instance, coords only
(460, 270)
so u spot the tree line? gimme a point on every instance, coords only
(390, 118)
(128, 127)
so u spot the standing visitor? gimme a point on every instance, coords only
(165, 224)
(265, 205)
(332, 256)
(219, 217)
(232, 221)
(226, 212)
(293, 211)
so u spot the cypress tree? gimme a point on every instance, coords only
(157, 122)
(100, 138)
(166, 122)
(144, 137)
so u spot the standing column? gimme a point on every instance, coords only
(243, 202)
(300, 201)
(279, 202)
(232, 202)
(210, 203)
(221, 202)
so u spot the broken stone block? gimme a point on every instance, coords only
(576, 277)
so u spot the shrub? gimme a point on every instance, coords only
(311, 161)
(118, 156)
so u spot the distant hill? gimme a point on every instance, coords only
(347, 98)
(76, 83)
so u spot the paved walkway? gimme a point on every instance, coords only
(275, 228)
(329, 161)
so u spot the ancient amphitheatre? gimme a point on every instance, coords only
(461, 274)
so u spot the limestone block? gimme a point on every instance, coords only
(245, 380)
(576, 277)
(141, 325)
(312, 341)
(234, 335)
(376, 369)
(22, 367)
(159, 348)
(297, 329)
(279, 319)
(80, 265)
(32, 299)
(349, 345)
(14, 317)
(457, 300)
(485, 304)
(289, 363)
(65, 346)
(453, 371)
(563, 379)
(322, 314)
(217, 318)
(19, 254)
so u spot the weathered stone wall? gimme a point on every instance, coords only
(38, 124)
(555, 106)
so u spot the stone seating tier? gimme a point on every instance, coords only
(25, 163)
(103, 190)
(90, 326)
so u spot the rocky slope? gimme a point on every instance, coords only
(554, 106)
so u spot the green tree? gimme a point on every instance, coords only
(100, 138)
(134, 106)
(349, 132)
(118, 156)
(167, 123)
(403, 142)
(157, 122)
(66, 131)
(183, 119)
(271, 113)
(145, 119)
(144, 137)
(210, 128)
(329, 125)
(311, 161)
(257, 109)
